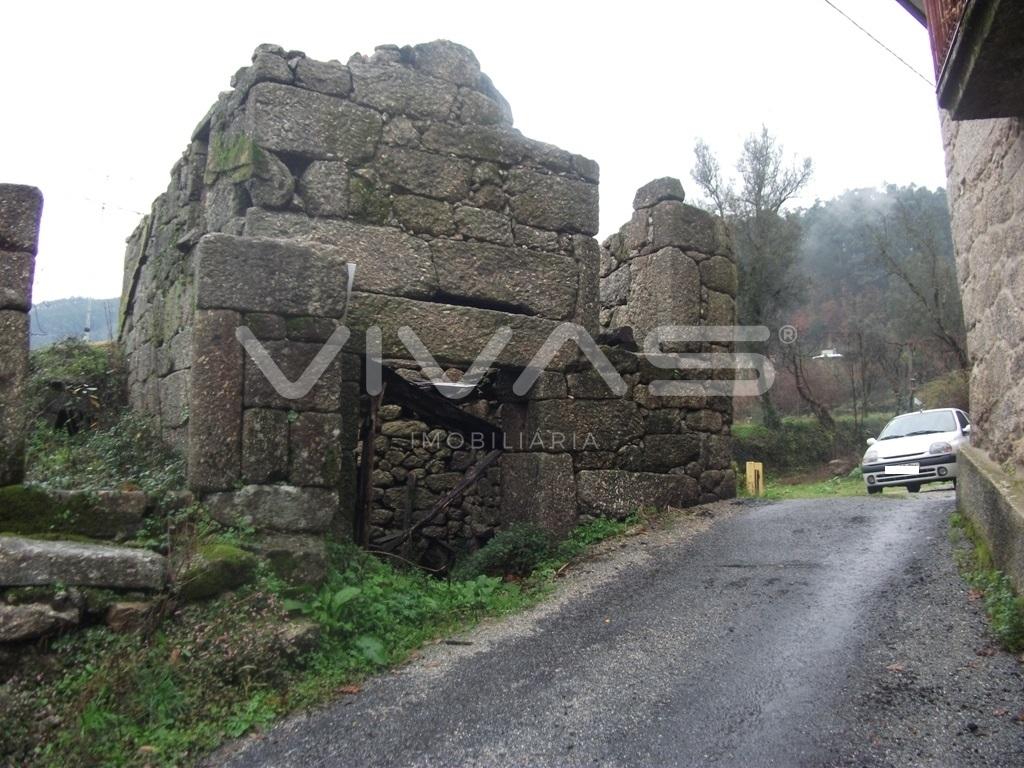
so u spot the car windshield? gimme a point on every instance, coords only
(924, 423)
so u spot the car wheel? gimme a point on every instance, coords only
(874, 490)
(914, 487)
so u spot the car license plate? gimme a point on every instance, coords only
(903, 469)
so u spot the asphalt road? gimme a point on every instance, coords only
(801, 633)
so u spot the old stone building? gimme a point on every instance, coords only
(978, 49)
(405, 164)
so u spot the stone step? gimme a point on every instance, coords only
(29, 562)
(112, 514)
(27, 622)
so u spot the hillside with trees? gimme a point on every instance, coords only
(867, 279)
(53, 321)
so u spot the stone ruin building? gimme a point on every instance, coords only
(405, 164)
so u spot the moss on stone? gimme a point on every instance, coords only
(27, 510)
(216, 568)
(367, 202)
(24, 595)
(234, 155)
(97, 599)
(301, 326)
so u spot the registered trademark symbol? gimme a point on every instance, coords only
(787, 334)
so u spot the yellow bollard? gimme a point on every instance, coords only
(755, 478)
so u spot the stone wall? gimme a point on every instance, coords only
(670, 264)
(20, 211)
(414, 467)
(406, 165)
(403, 163)
(985, 169)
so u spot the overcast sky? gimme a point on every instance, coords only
(99, 99)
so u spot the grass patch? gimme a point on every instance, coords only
(782, 489)
(1004, 607)
(216, 670)
(524, 549)
(124, 453)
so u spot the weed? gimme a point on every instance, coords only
(1004, 607)
(219, 669)
(515, 551)
(778, 490)
(127, 453)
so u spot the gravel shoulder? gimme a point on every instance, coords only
(817, 632)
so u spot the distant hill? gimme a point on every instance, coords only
(61, 318)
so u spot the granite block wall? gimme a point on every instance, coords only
(985, 170)
(20, 212)
(405, 164)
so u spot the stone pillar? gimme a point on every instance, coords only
(20, 210)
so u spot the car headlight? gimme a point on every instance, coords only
(871, 457)
(940, 448)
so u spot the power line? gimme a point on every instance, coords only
(893, 53)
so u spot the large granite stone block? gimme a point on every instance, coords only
(20, 210)
(324, 188)
(387, 260)
(293, 358)
(314, 449)
(553, 202)
(657, 191)
(665, 452)
(264, 445)
(30, 562)
(664, 290)
(719, 274)
(480, 142)
(14, 328)
(542, 284)
(328, 77)
(677, 224)
(596, 425)
(215, 419)
(16, 270)
(263, 275)
(275, 507)
(426, 173)
(617, 493)
(397, 90)
(588, 259)
(455, 335)
(174, 399)
(447, 61)
(539, 488)
(287, 119)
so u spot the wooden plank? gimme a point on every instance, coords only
(365, 487)
(438, 410)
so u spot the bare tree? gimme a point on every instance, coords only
(916, 250)
(793, 360)
(765, 238)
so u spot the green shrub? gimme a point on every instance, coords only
(375, 614)
(949, 391)
(127, 453)
(92, 377)
(1004, 607)
(515, 551)
(801, 443)
(219, 668)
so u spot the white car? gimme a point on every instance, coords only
(916, 448)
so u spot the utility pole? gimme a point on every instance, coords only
(910, 376)
(87, 332)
